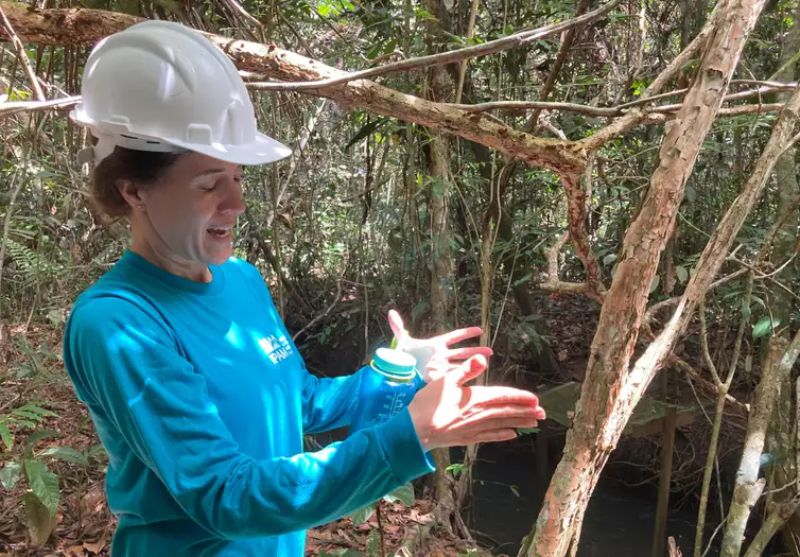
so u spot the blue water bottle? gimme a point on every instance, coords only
(386, 388)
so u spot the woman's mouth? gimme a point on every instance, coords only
(220, 233)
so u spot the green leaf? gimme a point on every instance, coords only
(365, 131)
(9, 475)
(43, 483)
(37, 436)
(457, 468)
(373, 543)
(522, 280)
(681, 273)
(41, 522)
(746, 311)
(404, 494)
(764, 326)
(67, 454)
(5, 436)
(655, 283)
(610, 258)
(33, 412)
(96, 451)
(363, 514)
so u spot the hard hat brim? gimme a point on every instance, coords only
(263, 150)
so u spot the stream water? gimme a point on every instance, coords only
(619, 522)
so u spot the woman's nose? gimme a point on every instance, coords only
(234, 201)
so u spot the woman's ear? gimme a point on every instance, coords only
(131, 193)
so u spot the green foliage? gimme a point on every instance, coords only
(764, 326)
(42, 494)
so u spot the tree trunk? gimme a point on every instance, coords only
(749, 486)
(782, 438)
(610, 391)
(440, 277)
(440, 88)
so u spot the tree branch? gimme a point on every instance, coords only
(498, 45)
(633, 118)
(82, 25)
(65, 103)
(23, 57)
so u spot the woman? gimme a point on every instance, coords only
(192, 381)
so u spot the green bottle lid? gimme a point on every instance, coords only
(394, 364)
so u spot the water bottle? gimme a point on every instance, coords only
(386, 388)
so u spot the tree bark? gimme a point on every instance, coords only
(78, 26)
(782, 438)
(749, 486)
(777, 517)
(610, 391)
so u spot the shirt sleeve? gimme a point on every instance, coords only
(328, 403)
(128, 364)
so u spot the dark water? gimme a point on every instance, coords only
(619, 522)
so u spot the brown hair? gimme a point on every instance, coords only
(142, 167)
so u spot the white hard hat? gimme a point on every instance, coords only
(161, 86)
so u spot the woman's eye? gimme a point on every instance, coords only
(209, 187)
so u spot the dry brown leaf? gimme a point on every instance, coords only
(96, 547)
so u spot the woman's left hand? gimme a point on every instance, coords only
(434, 355)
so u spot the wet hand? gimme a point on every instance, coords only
(434, 355)
(447, 413)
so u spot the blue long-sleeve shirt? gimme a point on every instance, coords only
(201, 399)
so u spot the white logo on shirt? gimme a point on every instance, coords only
(277, 348)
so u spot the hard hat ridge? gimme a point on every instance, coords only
(161, 86)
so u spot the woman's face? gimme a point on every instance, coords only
(184, 222)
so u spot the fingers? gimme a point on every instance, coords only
(502, 396)
(468, 352)
(494, 436)
(499, 418)
(396, 324)
(461, 334)
(468, 370)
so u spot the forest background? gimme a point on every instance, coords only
(609, 190)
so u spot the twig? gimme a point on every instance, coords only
(704, 342)
(552, 283)
(759, 275)
(462, 69)
(322, 315)
(651, 312)
(778, 515)
(16, 182)
(297, 154)
(512, 41)
(9, 108)
(632, 118)
(23, 57)
(623, 109)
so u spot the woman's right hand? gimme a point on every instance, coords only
(447, 413)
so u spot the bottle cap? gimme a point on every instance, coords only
(394, 364)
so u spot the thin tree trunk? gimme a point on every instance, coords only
(440, 275)
(782, 437)
(749, 486)
(610, 391)
(440, 88)
(776, 518)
